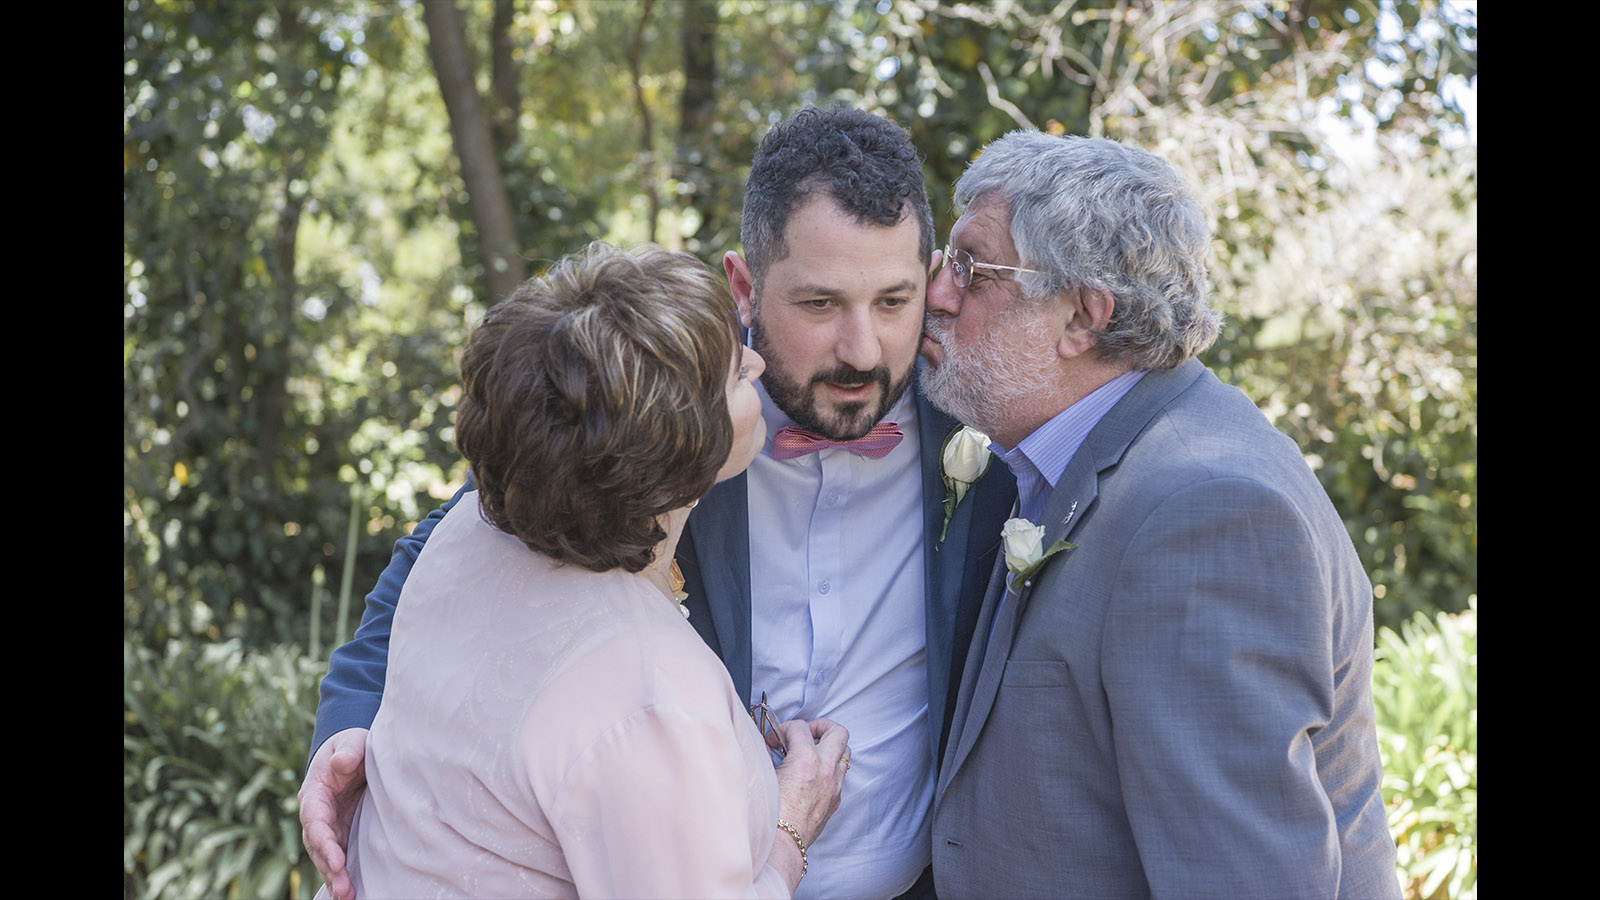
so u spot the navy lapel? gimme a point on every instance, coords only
(1069, 505)
(956, 568)
(942, 563)
(714, 556)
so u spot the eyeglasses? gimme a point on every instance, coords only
(962, 264)
(768, 724)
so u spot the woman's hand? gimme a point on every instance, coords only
(812, 774)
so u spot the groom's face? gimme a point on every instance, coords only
(838, 319)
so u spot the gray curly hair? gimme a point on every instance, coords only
(1090, 212)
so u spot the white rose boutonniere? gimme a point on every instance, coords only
(1023, 543)
(963, 459)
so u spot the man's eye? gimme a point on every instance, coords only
(895, 302)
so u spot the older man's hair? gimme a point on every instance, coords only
(594, 399)
(1093, 213)
(864, 162)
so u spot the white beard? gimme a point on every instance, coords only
(981, 383)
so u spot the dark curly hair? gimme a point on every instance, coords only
(866, 163)
(594, 399)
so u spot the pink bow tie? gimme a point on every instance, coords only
(791, 442)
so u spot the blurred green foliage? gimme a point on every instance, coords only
(213, 740)
(1425, 689)
(299, 265)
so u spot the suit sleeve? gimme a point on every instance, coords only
(1218, 669)
(353, 687)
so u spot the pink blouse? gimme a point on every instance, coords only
(547, 731)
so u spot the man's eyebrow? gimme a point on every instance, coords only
(818, 290)
(813, 290)
(900, 287)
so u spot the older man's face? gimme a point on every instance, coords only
(984, 347)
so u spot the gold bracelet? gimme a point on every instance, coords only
(798, 843)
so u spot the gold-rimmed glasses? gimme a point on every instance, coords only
(767, 723)
(962, 264)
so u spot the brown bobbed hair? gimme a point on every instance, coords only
(594, 399)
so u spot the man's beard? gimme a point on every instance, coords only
(799, 401)
(979, 379)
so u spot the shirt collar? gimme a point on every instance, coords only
(1044, 455)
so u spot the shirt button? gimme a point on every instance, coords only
(833, 497)
(824, 586)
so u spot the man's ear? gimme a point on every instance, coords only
(1087, 310)
(740, 285)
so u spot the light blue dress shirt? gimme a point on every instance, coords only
(1039, 459)
(838, 630)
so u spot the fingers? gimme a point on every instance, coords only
(794, 733)
(347, 760)
(821, 728)
(829, 739)
(775, 740)
(322, 846)
(833, 740)
(335, 780)
(811, 777)
(347, 766)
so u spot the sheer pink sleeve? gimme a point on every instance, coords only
(675, 799)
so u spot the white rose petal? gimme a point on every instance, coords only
(1024, 543)
(966, 455)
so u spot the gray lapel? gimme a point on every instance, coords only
(1068, 507)
(976, 677)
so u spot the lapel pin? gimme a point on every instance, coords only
(1070, 512)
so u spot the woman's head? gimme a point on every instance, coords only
(595, 399)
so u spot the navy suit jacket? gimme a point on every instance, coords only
(714, 556)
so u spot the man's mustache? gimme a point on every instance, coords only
(851, 377)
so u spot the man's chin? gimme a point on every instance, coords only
(846, 421)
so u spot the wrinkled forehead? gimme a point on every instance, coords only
(984, 229)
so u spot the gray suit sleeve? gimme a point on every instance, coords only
(1219, 672)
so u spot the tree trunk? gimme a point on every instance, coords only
(647, 163)
(696, 112)
(503, 78)
(480, 168)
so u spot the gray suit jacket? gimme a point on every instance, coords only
(1181, 706)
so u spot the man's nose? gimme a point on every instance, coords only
(944, 298)
(858, 345)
